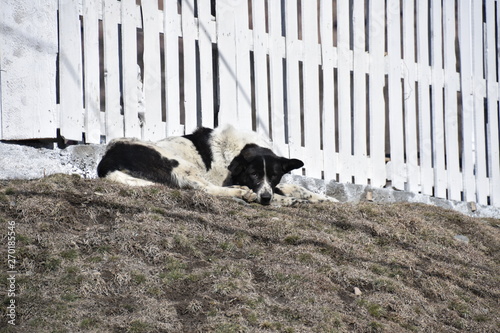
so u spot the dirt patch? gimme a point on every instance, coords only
(100, 257)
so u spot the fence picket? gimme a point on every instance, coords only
(260, 47)
(344, 92)
(70, 66)
(190, 66)
(437, 100)
(206, 29)
(154, 126)
(424, 106)
(409, 100)
(479, 89)
(293, 82)
(328, 63)
(467, 114)
(171, 60)
(114, 117)
(398, 172)
(376, 91)
(312, 128)
(359, 96)
(91, 71)
(454, 183)
(227, 49)
(276, 80)
(242, 75)
(131, 90)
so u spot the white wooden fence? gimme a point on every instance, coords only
(363, 91)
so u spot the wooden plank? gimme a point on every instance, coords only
(260, 46)
(437, 100)
(171, 57)
(424, 108)
(189, 35)
(243, 41)
(228, 91)
(154, 129)
(70, 67)
(28, 36)
(312, 119)
(359, 101)
(344, 92)
(493, 149)
(293, 83)
(91, 71)
(410, 119)
(398, 171)
(454, 183)
(467, 114)
(376, 83)
(277, 87)
(132, 88)
(482, 185)
(114, 118)
(205, 27)
(330, 165)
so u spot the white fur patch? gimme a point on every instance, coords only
(123, 178)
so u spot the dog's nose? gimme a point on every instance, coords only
(265, 198)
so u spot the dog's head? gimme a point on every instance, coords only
(260, 170)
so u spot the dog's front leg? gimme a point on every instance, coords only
(298, 192)
(241, 192)
(248, 194)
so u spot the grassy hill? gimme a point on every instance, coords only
(100, 257)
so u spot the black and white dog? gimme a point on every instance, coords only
(222, 161)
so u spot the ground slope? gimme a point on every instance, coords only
(99, 257)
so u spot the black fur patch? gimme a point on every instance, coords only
(201, 140)
(137, 161)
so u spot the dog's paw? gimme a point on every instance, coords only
(280, 200)
(244, 193)
(249, 195)
(326, 199)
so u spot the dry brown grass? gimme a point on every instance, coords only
(99, 257)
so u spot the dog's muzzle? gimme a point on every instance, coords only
(265, 194)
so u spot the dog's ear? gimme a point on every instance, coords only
(237, 165)
(291, 164)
